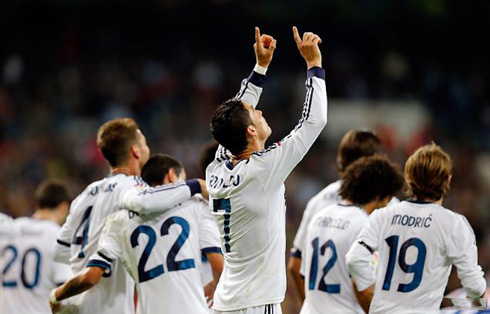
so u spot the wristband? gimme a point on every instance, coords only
(52, 297)
(260, 69)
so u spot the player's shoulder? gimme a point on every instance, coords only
(39, 226)
(328, 196)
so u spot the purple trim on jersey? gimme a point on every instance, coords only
(98, 263)
(316, 71)
(194, 186)
(256, 78)
(295, 252)
(213, 249)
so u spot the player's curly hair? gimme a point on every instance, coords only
(229, 125)
(427, 173)
(354, 145)
(370, 178)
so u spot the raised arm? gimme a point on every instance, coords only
(251, 87)
(280, 159)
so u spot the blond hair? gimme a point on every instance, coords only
(427, 173)
(115, 139)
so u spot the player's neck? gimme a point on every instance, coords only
(438, 202)
(131, 169)
(254, 145)
(47, 214)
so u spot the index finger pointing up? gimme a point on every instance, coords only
(296, 36)
(257, 37)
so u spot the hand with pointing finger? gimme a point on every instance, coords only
(308, 48)
(264, 48)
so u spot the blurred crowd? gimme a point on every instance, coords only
(59, 83)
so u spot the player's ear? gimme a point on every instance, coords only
(170, 177)
(251, 131)
(135, 151)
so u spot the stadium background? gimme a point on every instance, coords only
(413, 70)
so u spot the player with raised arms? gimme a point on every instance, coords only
(29, 272)
(417, 241)
(354, 145)
(160, 251)
(367, 184)
(246, 182)
(124, 147)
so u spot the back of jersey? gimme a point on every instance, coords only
(81, 232)
(417, 245)
(162, 254)
(29, 272)
(330, 234)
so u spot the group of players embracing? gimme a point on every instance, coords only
(135, 239)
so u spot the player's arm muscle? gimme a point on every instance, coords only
(81, 282)
(364, 297)
(216, 261)
(294, 266)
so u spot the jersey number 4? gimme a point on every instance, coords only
(172, 264)
(322, 286)
(417, 268)
(82, 239)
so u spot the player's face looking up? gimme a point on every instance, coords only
(259, 128)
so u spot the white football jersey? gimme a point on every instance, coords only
(248, 202)
(162, 253)
(79, 237)
(326, 197)
(330, 235)
(417, 244)
(7, 227)
(29, 272)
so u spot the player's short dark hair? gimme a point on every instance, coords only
(208, 153)
(427, 173)
(354, 145)
(157, 167)
(369, 178)
(115, 139)
(51, 193)
(229, 125)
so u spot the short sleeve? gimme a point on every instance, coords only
(370, 233)
(109, 247)
(61, 273)
(300, 238)
(209, 240)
